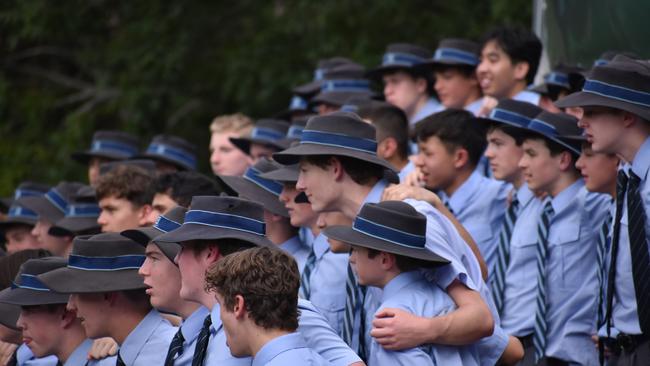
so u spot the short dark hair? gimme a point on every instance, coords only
(456, 128)
(50, 308)
(404, 263)
(466, 70)
(226, 246)
(10, 265)
(556, 148)
(361, 172)
(390, 121)
(268, 280)
(183, 185)
(416, 73)
(520, 44)
(130, 182)
(516, 133)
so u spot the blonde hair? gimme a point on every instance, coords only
(237, 122)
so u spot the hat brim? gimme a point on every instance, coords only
(309, 89)
(74, 226)
(163, 159)
(338, 98)
(146, 235)
(9, 314)
(76, 281)
(26, 297)
(85, 156)
(188, 232)
(293, 154)
(586, 99)
(285, 174)
(4, 225)
(347, 235)
(570, 144)
(487, 122)
(42, 207)
(251, 191)
(6, 202)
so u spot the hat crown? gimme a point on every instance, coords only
(174, 141)
(229, 206)
(105, 245)
(623, 78)
(38, 266)
(27, 189)
(120, 136)
(456, 51)
(460, 44)
(408, 48)
(394, 221)
(343, 124)
(555, 124)
(345, 71)
(525, 109)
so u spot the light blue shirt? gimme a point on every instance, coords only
(444, 240)
(79, 357)
(479, 204)
(475, 106)
(408, 168)
(572, 286)
(432, 106)
(297, 249)
(411, 292)
(527, 96)
(288, 349)
(25, 357)
(624, 312)
(517, 317)
(148, 342)
(190, 328)
(218, 352)
(327, 281)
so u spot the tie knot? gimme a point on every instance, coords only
(548, 208)
(207, 322)
(634, 179)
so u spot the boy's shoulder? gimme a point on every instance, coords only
(417, 295)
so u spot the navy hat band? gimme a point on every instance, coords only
(502, 115)
(295, 132)
(16, 211)
(56, 199)
(165, 225)
(338, 140)
(401, 59)
(253, 175)
(263, 133)
(117, 263)
(601, 62)
(30, 282)
(542, 127)
(455, 55)
(113, 146)
(386, 233)
(225, 221)
(21, 192)
(617, 92)
(298, 103)
(558, 78)
(341, 85)
(82, 210)
(172, 153)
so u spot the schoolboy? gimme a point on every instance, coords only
(106, 146)
(265, 139)
(225, 158)
(17, 225)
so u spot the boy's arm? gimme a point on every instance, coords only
(396, 329)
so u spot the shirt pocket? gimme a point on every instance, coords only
(522, 268)
(332, 305)
(567, 257)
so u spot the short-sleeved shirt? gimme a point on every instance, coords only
(297, 249)
(289, 349)
(190, 328)
(148, 342)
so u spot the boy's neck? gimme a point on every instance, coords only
(564, 181)
(259, 337)
(279, 232)
(186, 308)
(516, 89)
(70, 340)
(418, 105)
(461, 177)
(129, 320)
(631, 146)
(398, 162)
(353, 197)
(473, 96)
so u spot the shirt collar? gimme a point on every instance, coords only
(23, 353)
(432, 106)
(564, 198)
(524, 195)
(527, 96)
(474, 106)
(398, 282)
(191, 326)
(216, 318)
(464, 193)
(320, 245)
(276, 346)
(292, 245)
(374, 196)
(641, 162)
(139, 336)
(80, 355)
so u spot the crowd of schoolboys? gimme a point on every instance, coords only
(464, 216)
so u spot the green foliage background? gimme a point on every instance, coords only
(70, 67)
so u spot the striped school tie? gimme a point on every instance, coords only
(353, 305)
(503, 254)
(119, 361)
(539, 334)
(601, 274)
(636, 219)
(202, 343)
(305, 285)
(175, 348)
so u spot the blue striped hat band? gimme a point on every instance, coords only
(253, 175)
(82, 210)
(455, 55)
(165, 225)
(509, 117)
(557, 78)
(389, 234)
(401, 59)
(114, 147)
(19, 212)
(225, 221)
(342, 85)
(339, 140)
(30, 282)
(268, 134)
(117, 263)
(56, 199)
(623, 94)
(172, 153)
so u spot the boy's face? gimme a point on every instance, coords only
(504, 155)
(403, 91)
(19, 237)
(300, 214)
(317, 183)
(496, 73)
(233, 328)
(192, 267)
(598, 170)
(368, 269)
(41, 329)
(326, 219)
(454, 88)
(160, 205)
(162, 278)
(55, 244)
(259, 151)
(603, 128)
(93, 169)
(540, 169)
(436, 163)
(226, 158)
(119, 214)
(91, 309)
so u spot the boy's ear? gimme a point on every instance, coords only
(67, 318)
(567, 161)
(143, 214)
(521, 70)
(240, 307)
(421, 85)
(387, 148)
(336, 168)
(387, 260)
(461, 157)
